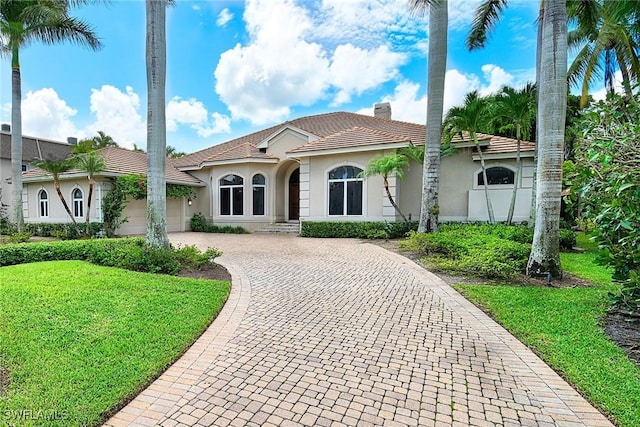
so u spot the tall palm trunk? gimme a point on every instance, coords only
(156, 52)
(16, 139)
(552, 105)
(438, 23)
(532, 208)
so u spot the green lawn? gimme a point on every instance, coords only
(562, 326)
(78, 339)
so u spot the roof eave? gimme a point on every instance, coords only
(226, 162)
(344, 150)
(265, 142)
(509, 155)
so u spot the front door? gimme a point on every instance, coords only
(294, 195)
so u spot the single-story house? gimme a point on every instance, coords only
(307, 169)
(32, 149)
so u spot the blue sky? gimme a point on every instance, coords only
(239, 66)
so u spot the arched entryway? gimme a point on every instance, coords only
(294, 195)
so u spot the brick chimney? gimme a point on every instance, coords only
(382, 110)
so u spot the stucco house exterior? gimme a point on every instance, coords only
(307, 170)
(32, 149)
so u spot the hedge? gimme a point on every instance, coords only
(360, 230)
(129, 253)
(200, 224)
(63, 230)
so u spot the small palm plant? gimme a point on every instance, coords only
(392, 164)
(91, 163)
(57, 168)
(470, 118)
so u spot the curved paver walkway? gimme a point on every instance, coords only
(339, 332)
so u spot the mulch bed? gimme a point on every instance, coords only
(216, 272)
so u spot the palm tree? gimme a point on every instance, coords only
(392, 164)
(23, 22)
(471, 117)
(605, 40)
(87, 145)
(156, 56)
(552, 108)
(57, 168)
(173, 152)
(438, 26)
(518, 108)
(91, 163)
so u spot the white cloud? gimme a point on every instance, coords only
(354, 70)
(284, 64)
(117, 114)
(406, 104)
(224, 17)
(45, 114)
(497, 78)
(193, 113)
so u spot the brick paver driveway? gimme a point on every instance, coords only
(340, 332)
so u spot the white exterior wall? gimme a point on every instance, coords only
(177, 210)
(57, 213)
(209, 203)
(461, 199)
(136, 214)
(375, 205)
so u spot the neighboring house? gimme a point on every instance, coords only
(32, 149)
(307, 169)
(42, 203)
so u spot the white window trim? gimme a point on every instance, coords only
(494, 186)
(265, 186)
(231, 187)
(46, 202)
(74, 200)
(344, 206)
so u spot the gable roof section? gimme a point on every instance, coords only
(35, 148)
(121, 161)
(337, 132)
(355, 139)
(320, 126)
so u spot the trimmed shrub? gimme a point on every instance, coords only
(65, 231)
(130, 254)
(473, 250)
(360, 230)
(200, 224)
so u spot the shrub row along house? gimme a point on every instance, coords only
(307, 169)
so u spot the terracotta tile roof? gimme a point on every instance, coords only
(501, 144)
(321, 125)
(35, 148)
(124, 162)
(334, 130)
(351, 138)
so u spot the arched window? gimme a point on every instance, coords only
(258, 187)
(231, 195)
(497, 175)
(78, 203)
(43, 202)
(345, 191)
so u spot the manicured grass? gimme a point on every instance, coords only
(563, 327)
(78, 339)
